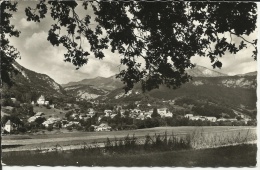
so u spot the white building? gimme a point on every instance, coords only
(8, 126)
(164, 112)
(39, 114)
(107, 113)
(32, 119)
(13, 99)
(211, 119)
(102, 127)
(188, 115)
(41, 100)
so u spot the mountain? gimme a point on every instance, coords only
(206, 84)
(87, 92)
(254, 73)
(225, 90)
(29, 85)
(110, 83)
(200, 71)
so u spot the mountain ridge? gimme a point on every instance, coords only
(28, 85)
(198, 71)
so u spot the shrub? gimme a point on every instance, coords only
(91, 128)
(22, 129)
(79, 128)
(50, 128)
(69, 128)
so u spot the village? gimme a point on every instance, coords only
(118, 118)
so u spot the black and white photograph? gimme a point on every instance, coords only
(129, 83)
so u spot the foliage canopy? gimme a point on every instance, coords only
(163, 35)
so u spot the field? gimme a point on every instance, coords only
(52, 112)
(203, 137)
(229, 156)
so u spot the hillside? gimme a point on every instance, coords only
(28, 85)
(87, 92)
(110, 83)
(254, 73)
(231, 91)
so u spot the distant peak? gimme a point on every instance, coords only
(201, 71)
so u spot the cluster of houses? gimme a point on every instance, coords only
(213, 119)
(139, 114)
(76, 116)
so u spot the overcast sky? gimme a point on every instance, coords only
(39, 55)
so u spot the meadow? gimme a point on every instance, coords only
(229, 156)
(202, 147)
(203, 137)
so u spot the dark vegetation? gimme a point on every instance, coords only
(229, 156)
(172, 32)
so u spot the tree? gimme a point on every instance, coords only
(8, 52)
(155, 113)
(163, 35)
(40, 120)
(50, 128)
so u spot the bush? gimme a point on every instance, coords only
(22, 129)
(69, 128)
(91, 128)
(49, 128)
(79, 128)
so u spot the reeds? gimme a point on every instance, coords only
(198, 139)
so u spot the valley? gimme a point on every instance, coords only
(38, 108)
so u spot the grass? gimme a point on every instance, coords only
(229, 156)
(167, 149)
(213, 135)
(53, 112)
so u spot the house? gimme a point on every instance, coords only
(141, 117)
(32, 102)
(46, 102)
(7, 108)
(52, 106)
(107, 113)
(13, 100)
(164, 112)
(211, 119)
(113, 115)
(48, 123)
(102, 127)
(8, 126)
(41, 100)
(195, 118)
(168, 114)
(32, 119)
(39, 114)
(225, 119)
(188, 115)
(148, 116)
(51, 121)
(100, 118)
(246, 120)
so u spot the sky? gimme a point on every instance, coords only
(37, 54)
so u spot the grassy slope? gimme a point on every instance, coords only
(232, 156)
(49, 112)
